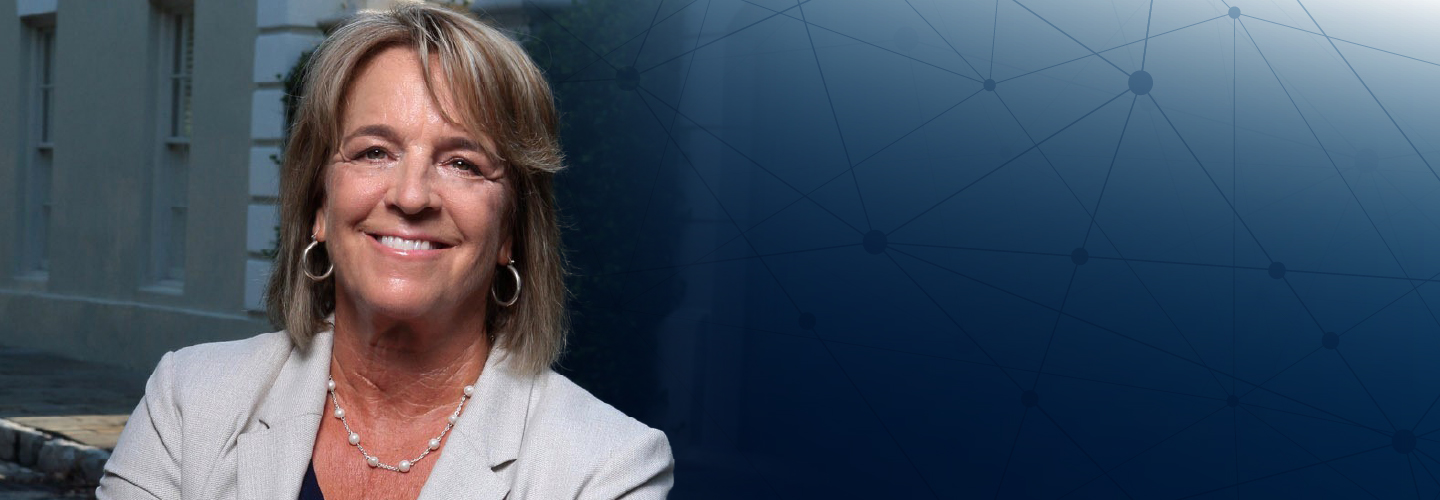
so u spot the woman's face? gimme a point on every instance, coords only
(412, 211)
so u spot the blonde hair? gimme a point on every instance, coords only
(497, 90)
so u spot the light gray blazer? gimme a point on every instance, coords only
(237, 420)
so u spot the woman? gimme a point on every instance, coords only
(419, 282)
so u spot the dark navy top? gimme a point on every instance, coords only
(310, 487)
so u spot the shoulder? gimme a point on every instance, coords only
(562, 408)
(218, 376)
(615, 453)
(273, 346)
(196, 401)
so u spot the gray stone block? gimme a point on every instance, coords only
(29, 443)
(58, 456)
(15, 474)
(8, 438)
(92, 465)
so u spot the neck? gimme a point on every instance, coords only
(389, 370)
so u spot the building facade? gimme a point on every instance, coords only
(141, 142)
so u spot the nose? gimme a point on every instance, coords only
(411, 191)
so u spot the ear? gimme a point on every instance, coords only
(504, 256)
(318, 229)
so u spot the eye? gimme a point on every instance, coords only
(466, 166)
(373, 154)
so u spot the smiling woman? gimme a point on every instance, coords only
(419, 284)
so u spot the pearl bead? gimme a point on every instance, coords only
(452, 420)
(469, 390)
(354, 438)
(330, 385)
(435, 444)
(339, 413)
(404, 466)
(372, 461)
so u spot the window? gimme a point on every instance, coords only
(181, 31)
(176, 39)
(35, 183)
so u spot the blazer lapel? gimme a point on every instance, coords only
(273, 461)
(477, 460)
(273, 456)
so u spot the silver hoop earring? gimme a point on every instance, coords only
(305, 263)
(511, 302)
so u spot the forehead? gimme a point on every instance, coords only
(390, 85)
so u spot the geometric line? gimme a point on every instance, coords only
(1151, 447)
(1135, 340)
(567, 78)
(742, 155)
(1287, 471)
(1340, 39)
(1432, 279)
(1007, 162)
(1146, 39)
(835, 115)
(1144, 53)
(1371, 92)
(1082, 44)
(1000, 484)
(1341, 354)
(722, 37)
(869, 43)
(952, 47)
(1308, 452)
(1348, 187)
(914, 466)
(953, 321)
(1082, 450)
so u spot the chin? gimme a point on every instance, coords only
(398, 301)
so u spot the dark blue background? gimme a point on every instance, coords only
(819, 251)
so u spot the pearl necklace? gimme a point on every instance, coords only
(404, 465)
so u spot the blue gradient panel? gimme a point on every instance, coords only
(1009, 249)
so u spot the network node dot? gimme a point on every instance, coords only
(1232, 401)
(1234, 13)
(1403, 441)
(989, 84)
(874, 242)
(1079, 256)
(807, 321)
(1330, 340)
(627, 78)
(1277, 270)
(1141, 82)
(1029, 399)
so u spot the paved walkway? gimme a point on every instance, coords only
(39, 384)
(83, 402)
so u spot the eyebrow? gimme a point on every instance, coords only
(454, 143)
(381, 131)
(451, 143)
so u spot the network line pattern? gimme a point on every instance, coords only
(1038, 248)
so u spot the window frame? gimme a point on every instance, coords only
(36, 172)
(174, 39)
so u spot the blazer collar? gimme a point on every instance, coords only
(487, 437)
(273, 456)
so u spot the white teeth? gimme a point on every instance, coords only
(399, 243)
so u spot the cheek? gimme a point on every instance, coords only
(352, 197)
(480, 215)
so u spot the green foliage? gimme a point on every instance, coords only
(294, 81)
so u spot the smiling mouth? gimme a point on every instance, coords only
(403, 244)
